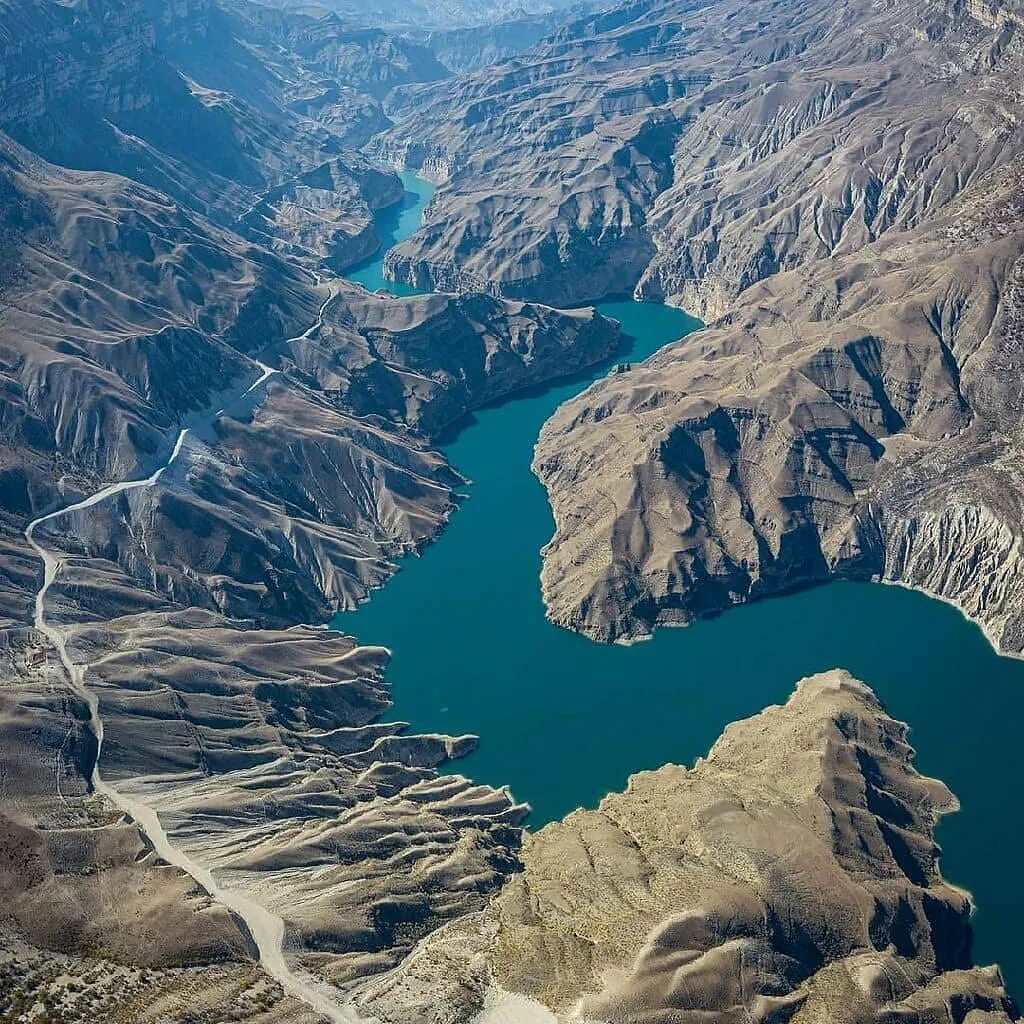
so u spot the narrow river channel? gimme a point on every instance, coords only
(563, 720)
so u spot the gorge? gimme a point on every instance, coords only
(357, 456)
(474, 653)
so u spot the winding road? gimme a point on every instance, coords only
(266, 928)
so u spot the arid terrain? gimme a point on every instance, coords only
(210, 443)
(208, 437)
(790, 875)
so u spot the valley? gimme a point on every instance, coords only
(472, 651)
(358, 449)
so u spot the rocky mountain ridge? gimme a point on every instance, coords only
(276, 424)
(286, 500)
(206, 103)
(435, 14)
(831, 189)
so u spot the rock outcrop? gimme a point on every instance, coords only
(790, 875)
(696, 149)
(856, 419)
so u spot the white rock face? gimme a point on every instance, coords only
(967, 555)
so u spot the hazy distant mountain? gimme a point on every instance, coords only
(472, 47)
(435, 14)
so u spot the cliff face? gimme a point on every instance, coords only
(689, 145)
(790, 875)
(463, 50)
(370, 59)
(100, 56)
(855, 422)
(833, 190)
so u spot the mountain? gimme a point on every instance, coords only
(434, 14)
(462, 50)
(207, 438)
(210, 443)
(790, 875)
(289, 495)
(116, 100)
(834, 190)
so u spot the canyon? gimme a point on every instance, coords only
(836, 192)
(229, 415)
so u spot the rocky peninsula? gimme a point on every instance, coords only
(792, 874)
(836, 191)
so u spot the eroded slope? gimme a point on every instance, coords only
(790, 875)
(835, 189)
(277, 423)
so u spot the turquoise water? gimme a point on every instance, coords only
(394, 224)
(564, 721)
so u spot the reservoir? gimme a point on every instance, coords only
(563, 720)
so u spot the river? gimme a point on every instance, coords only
(563, 720)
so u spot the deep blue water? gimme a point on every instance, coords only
(563, 720)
